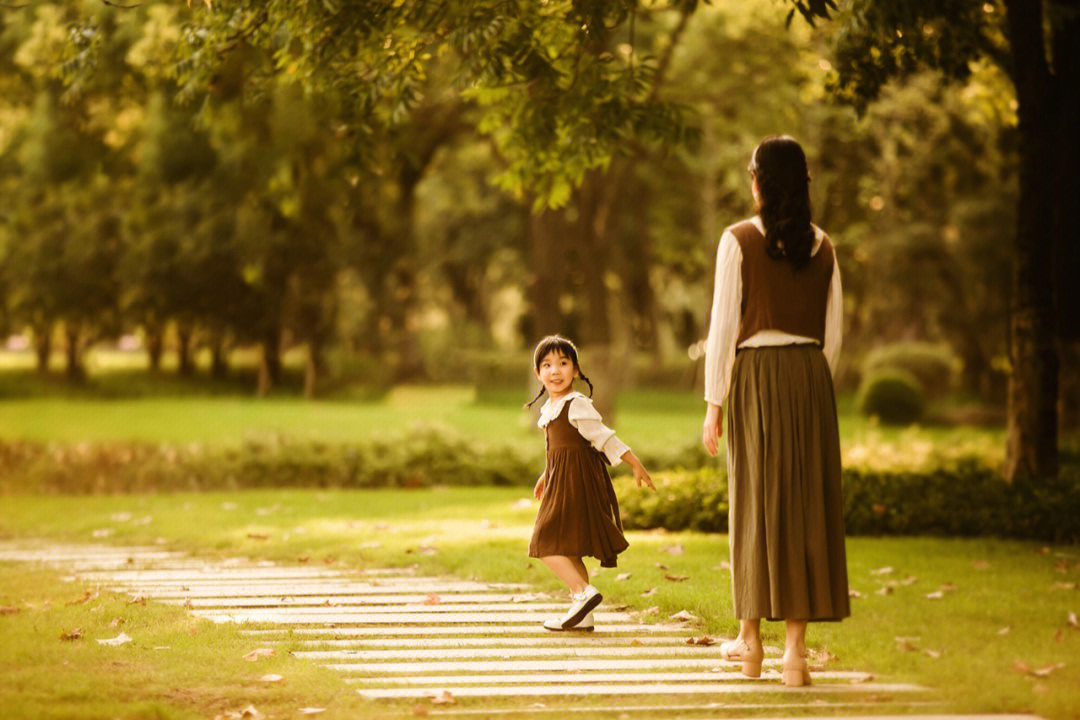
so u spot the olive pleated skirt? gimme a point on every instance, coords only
(786, 515)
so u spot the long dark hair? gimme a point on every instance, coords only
(564, 347)
(779, 165)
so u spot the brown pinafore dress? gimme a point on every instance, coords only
(579, 513)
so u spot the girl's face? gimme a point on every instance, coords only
(556, 373)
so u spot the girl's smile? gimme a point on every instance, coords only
(557, 373)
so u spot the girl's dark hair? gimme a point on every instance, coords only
(564, 347)
(779, 165)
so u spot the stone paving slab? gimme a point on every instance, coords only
(308, 616)
(529, 666)
(593, 639)
(578, 689)
(419, 653)
(630, 629)
(597, 677)
(415, 603)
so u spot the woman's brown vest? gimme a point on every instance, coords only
(776, 296)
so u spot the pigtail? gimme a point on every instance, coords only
(540, 395)
(587, 381)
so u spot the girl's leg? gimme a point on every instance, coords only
(750, 632)
(582, 570)
(567, 570)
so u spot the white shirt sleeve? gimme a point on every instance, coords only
(834, 318)
(583, 416)
(724, 320)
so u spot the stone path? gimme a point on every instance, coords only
(397, 635)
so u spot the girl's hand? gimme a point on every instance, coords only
(641, 475)
(539, 489)
(713, 428)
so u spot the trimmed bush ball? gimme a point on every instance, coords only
(935, 366)
(894, 395)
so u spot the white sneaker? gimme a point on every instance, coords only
(584, 603)
(556, 625)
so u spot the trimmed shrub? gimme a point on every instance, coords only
(962, 500)
(893, 395)
(935, 366)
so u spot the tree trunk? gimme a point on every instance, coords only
(154, 347)
(74, 371)
(219, 366)
(42, 349)
(1066, 213)
(270, 363)
(1031, 445)
(548, 233)
(186, 367)
(313, 369)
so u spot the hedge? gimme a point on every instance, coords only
(965, 499)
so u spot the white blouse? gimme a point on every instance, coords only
(727, 315)
(584, 417)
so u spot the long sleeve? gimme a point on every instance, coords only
(583, 416)
(724, 320)
(834, 319)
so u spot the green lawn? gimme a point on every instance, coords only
(959, 645)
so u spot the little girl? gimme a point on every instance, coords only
(579, 513)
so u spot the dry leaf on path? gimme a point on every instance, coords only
(649, 593)
(906, 644)
(935, 654)
(1005, 630)
(661, 566)
(311, 710)
(684, 615)
(936, 595)
(853, 593)
(623, 576)
(118, 640)
(73, 634)
(883, 590)
(676, 578)
(140, 600)
(1046, 670)
(705, 640)
(444, 698)
(420, 710)
(271, 678)
(116, 622)
(1072, 621)
(260, 653)
(654, 610)
(881, 571)
(432, 599)
(909, 580)
(251, 712)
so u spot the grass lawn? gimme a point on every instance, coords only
(956, 644)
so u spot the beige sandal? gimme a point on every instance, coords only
(796, 671)
(738, 651)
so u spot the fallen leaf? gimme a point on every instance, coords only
(881, 571)
(673, 549)
(1072, 621)
(883, 590)
(103, 532)
(251, 712)
(853, 593)
(705, 640)
(432, 599)
(948, 587)
(649, 593)
(90, 595)
(906, 644)
(934, 654)
(981, 565)
(684, 615)
(676, 578)
(1046, 670)
(303, 559)
(420, 710)
(909, 580)
(820, 657)
(636, 643)
(9, 610)
(118, 640)
(271, 678)
(661, 566)
(1059, 636)
(73, 634)
(1004, 631)
(654, 610)
(162, 647)
(1064, 586)
(1021, 667)
(623, 576)
(258, 536)
(444, 698)
(140, 600)
(116, 622)
(311, 711)
(936, 595)
(260, 653)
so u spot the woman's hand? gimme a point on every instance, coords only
(539, 489)
(713, 428)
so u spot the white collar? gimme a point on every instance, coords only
(552, 409)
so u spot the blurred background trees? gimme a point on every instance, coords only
(419, 191)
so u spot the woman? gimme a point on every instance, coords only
(774, 337)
